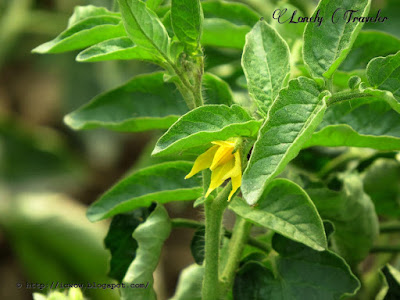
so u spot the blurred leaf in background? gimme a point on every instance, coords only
(47, 170)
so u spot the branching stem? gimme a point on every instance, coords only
(236, 245)
(214, 209)
(346, 96)
(187, 223)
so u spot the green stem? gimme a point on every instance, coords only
(258, 244)
(236, 245)
(198, 96)
(187, 95)
(388, 228)
(187, 223)
(214, 210)
(184, 85)
(329, 84)
(346, 96)
(378, 249)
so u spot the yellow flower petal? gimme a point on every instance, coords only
(236, 175)
(218, 176)
(224, 143)
(237, 167)
(203, 162)
(236, 183)
(222, 156)
(237, 170)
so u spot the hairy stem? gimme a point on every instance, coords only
(214, 210)
(345, 96)
(236, 245)
(187, 223)
(388, 228)
(377, 249)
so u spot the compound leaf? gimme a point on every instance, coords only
(353, 214)
(326, 45)
(120, 242)
(201, 126)
(150, 237)
(328, 275)
(266, 64)
(285, 207)
(291, 120)
(187, 21)
(88, 25)
(384, 73)
(374, 125)
(144, 28)
(116, 49)
(161, 183)
(123, 109)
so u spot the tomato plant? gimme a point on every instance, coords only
(266, 117)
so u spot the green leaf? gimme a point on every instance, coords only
(88, 25)
(120, 242)
(381, 182)
(392, 276)
(383, 95)
(236, 13)
(341, 78)
(222, 33)
(56, 241)
(197, 245)
(265, 64)
(374, 125)
(36, 155)
(327, 45)
(216, 91)
(187, 21)
(292, 118)
(384, 73)
(201, 126)
(368, 45)
(144, 28)
(353, 214)
(226, 24)
(116, 49)
(190, 283)
(150, 237)
(153, 4)
(161, 183)
(302, 273)
(289, 31)
(122, 109)
(284, 207)
(383, 286)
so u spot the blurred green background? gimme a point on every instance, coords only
(49, 174)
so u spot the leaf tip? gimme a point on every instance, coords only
(251, 198)
(43, 48)
(80, 57)
(94, 214)
(156, 151)
(71, 122)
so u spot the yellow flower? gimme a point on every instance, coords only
(223, 159)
